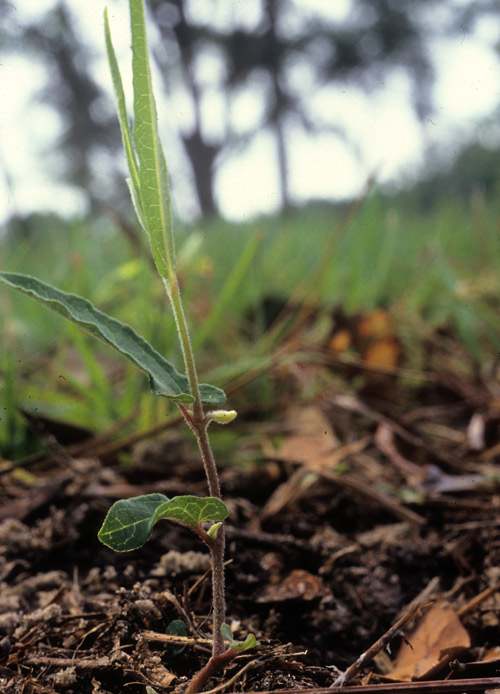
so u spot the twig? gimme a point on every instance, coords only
(353, 482)
(414, 612)
(443, 687)
(478, 599)
(174, 638)
(79, 663)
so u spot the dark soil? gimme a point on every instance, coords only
(322, 560)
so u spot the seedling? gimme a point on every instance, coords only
(129, 522)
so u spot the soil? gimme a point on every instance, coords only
(343, 512)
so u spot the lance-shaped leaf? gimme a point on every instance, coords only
(153, 175)
(165, 379)
(121, 106)
(129, 522)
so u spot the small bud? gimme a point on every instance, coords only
(221, 416)
(214, 529)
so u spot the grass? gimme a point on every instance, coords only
(440, 266)
(431, 270)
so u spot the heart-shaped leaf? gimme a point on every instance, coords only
(164, 378)
(193, 510)
(129, 522)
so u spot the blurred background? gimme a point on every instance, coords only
(263, 105)
(335, 179)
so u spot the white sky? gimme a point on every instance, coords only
(387, 138)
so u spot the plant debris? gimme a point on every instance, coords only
(351, 510)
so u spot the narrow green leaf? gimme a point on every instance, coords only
(129, 522)
(122, 109)
(136, 201)
(229, 290)
(153, 175)
(165, 379)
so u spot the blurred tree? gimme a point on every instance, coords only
(285, 54)
(189, 41)
(214, 53)
(458, 176)
(88, 120)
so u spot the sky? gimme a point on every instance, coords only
(387, 138)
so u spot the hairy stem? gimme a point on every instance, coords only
(218, 591)
(216, 544)
(207, 456)
(199, 426)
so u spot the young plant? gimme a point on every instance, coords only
(129, 522)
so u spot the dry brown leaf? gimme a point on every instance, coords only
(313, 436)
(491, 654)
(313, 442)
(161, 676)
(438, 638)
(315, 446)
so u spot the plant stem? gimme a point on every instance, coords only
(173, 291)
(201, 432)
(218, 591)
(199, 426)
(216, 544)
(215, 664)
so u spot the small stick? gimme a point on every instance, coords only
(478, 599)
(481, 684)
(413, 612)
(174, 638)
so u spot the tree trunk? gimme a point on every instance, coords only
(202, 157)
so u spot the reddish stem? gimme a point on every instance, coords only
(216, 663)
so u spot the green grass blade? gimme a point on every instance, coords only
(229, 290)
(98, 389)
(167, 380)
(153, 176)
(129, 522)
